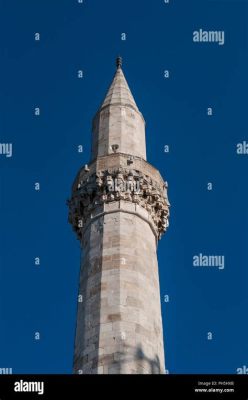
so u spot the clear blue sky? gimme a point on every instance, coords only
(202, 149)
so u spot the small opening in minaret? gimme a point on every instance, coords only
(115, 147)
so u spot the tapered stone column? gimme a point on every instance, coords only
(119, 209)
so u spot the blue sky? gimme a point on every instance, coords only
(202, 149)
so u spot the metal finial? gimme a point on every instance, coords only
(119, 62)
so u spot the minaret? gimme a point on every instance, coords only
(119, 209)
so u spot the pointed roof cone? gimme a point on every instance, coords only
(119, 92)
(118, 125)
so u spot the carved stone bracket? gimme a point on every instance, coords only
(115, 184)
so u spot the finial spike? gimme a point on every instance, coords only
(119, 62)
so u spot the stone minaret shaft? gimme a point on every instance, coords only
(119, 209)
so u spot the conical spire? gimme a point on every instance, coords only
(119, 92)
(118, 125)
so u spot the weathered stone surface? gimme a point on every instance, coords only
(119, 122)
(119, 209)
(122, 308)
(96, 192)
